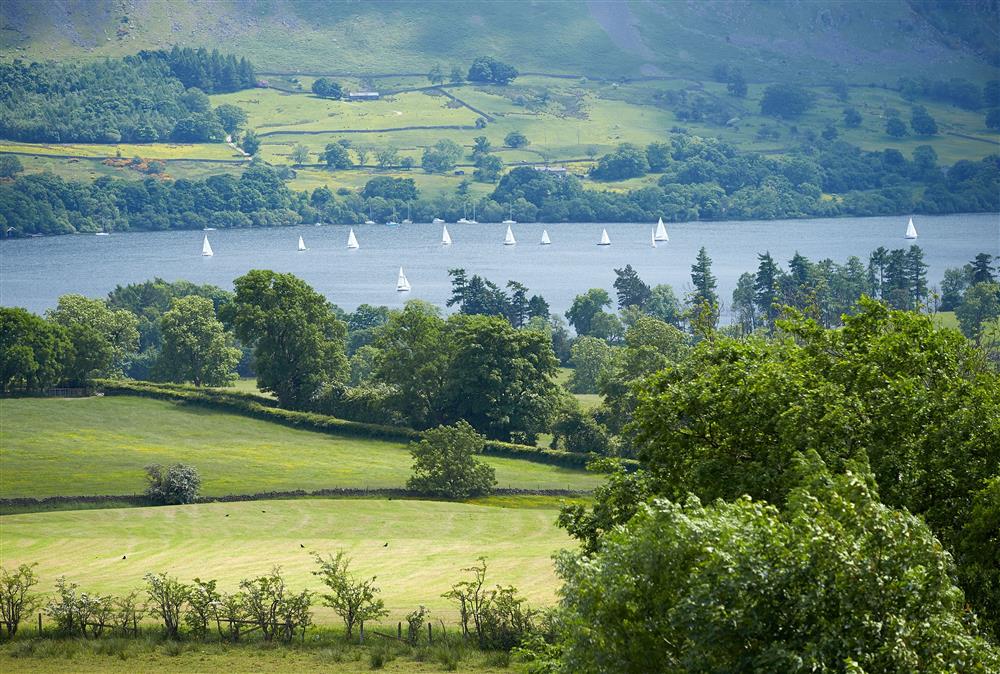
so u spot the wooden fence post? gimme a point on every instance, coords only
(429, 639)
(39, 624)
(362, 633)
(399, 630)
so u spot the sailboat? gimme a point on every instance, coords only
(302, 244)
(509, 240)
(206, 247)
(661, 232)
(510, 218)
(102, 233)
(370, 220)
(473, 221)
(437, 221)
(445, 237)
(545, 238)
(605, 239)
(911, 231)
(392, 222)
(402, 285)
(407, 221)
(652, 238)
(352, 241)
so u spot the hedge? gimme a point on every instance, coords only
(260, 407)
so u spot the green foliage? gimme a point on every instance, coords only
(628, 161)
(17, 599)
(141, 98)
(786, 101)
(34, 353)
(589, 357)
(852, 118)
(104, 339)
(272, 608)
(578, 431)
(195, 345)
(585, 307)
(388, 187)
(704, 281)
(444, 463)
(631, 290)
(300, 154)
(250, 143)
(178, 485)
(167, 597)
(298, 343)
(354, 600)
(980, 305)
(515, 139)
(895, 127)
(922, 123)
(488, 168)
(231, 117)
(10, 166)
(441, 157)
(992, 119)
(336, 156)
(327, 88)
(743, 586)
(487, 69)
(977, 553)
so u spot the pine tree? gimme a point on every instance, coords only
(703, 281)
(916, 275)
(632, 292)
(766, 288)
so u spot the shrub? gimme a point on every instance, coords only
(178, 485)
(352, 599)
(16, 597)
(167, 597)
(444, 463)
(278, 613)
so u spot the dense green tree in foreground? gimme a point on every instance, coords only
(32, 351)
(834, 581)
(327, 88)
(195, 345)
(297, 341)
(445, 464)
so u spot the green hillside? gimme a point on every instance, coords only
(812, 41)
(55, 447)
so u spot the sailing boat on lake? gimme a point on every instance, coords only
(605, 239)
(437, 221)
(302, 244)
(545, 238)
(661, 232)
(206, 247)
(911, 231)
(510, 217)
(445, 236)
(352, 241)
(509, 240)
(402, 285)
(370, 220)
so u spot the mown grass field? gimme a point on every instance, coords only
(416, 548)
(77, 447)
(127, 657)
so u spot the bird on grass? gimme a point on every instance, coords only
(301, 546)
(386, 544)
(123, 556)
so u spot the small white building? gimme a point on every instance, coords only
(362, 96)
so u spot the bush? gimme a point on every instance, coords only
(353, 600)
(167, 597)
(178, 485)
(444, 463)
(16, 597)
(278, 613)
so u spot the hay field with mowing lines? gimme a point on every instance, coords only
(429, 543)
(88, 446)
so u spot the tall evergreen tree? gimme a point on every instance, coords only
(766, 288)
(916, 273)
(632, 291)
(982, 271)
(703, 281)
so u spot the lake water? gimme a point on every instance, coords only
(35, 272)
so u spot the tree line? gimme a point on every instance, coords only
(145, 98)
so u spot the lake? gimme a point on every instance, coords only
(35, 272)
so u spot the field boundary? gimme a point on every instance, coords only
(139, 500)
(266, 409)
(321, 132)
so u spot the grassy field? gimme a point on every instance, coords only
(76, 447)
(416, 548)
(44, 656)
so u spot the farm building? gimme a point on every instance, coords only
(362, 95)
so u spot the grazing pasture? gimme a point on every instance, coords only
(78, 447)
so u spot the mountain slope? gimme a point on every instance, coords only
(811, 41)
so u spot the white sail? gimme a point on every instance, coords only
(605, 239)
(206, 247)
(661, 231)
(402, 285)
(911, 231)
(545, 237)
(437, 221)
(352, 241)
(302, 244)
(509, 240)
(652, 238)
(445, 236)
